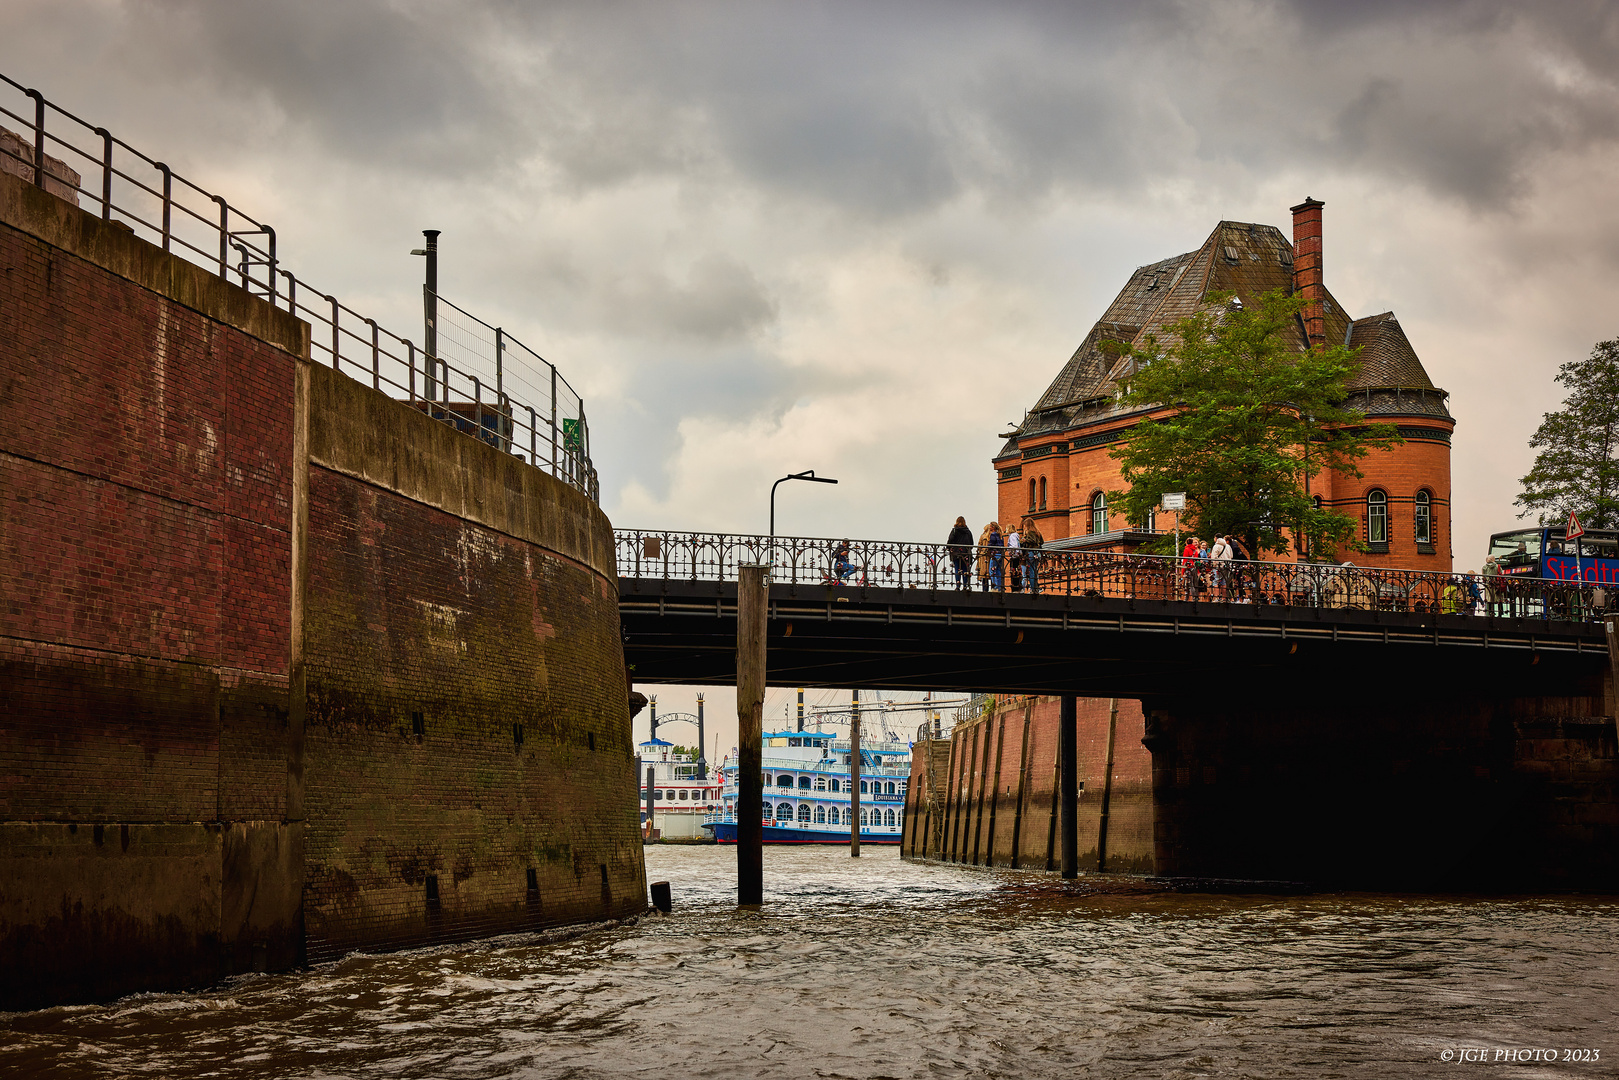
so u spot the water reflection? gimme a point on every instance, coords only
(878, 968)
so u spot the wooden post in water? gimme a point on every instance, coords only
(1613, 661)
(752, 607)
(647, 833)
(1068, 768)
(854, 775)
(1107, 786)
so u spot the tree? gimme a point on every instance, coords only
(1577, 469)
(1251, 421)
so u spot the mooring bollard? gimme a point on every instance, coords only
(660, 897)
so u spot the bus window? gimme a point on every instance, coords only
(1516, 548)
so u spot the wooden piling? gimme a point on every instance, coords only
(1107, 786)
(1068, 753)
(752, 608)
(646, 833)
(995, 795)
(1022, 776)
(854, 775)
(1613, 661)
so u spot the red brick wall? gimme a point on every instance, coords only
(152, 763)
(413, 611)
(145, 501)
(986, 821)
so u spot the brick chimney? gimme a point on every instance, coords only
(1307, 267)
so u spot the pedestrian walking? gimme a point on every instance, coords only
(960, 545)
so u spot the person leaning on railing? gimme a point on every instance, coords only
(1031, 543)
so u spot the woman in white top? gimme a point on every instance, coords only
(1220, 555)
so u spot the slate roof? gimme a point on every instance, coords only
(1238, 257)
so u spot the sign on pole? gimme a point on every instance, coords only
(1574, 527)
(1174, 500)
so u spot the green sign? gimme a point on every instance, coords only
(573, 435)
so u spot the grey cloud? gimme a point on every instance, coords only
(719, 300)
(891, 110)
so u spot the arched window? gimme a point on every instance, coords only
(804, 782)
(890, 787)
(862, 787)
(784, 780)
(784, 811)
(820, 815)
(1042, 493)
(820, 783)
(1377, 517)
(832, 816)
(1422, 521)
(1099, 512)
(865, 818)
(804, 812)
(888, 817)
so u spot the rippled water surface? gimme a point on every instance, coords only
(880, 968)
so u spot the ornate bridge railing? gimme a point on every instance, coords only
(893, 564)
(482, 381)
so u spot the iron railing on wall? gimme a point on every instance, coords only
(487, 385)
(895, 564)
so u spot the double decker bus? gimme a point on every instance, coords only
(1546, 552)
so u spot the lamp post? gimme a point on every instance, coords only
(430, 314)
(807, 474)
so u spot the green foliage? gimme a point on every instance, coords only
(1247, 404)
(1577, 469)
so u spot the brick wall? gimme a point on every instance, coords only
(466, 722)
(999, 783)
(234, 582)
(145, 515)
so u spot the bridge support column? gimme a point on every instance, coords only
(1068, 758)
(752, 608)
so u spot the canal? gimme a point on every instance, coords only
(880, 968)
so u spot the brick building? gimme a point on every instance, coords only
(1056, 467)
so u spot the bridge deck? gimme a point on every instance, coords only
(938, 639)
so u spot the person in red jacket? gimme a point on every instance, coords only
(1189, 557)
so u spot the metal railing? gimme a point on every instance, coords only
(544, 421)
(899, 565)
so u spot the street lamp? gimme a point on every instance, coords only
(808, 474)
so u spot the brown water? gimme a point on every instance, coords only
(880, 968)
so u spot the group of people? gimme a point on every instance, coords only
(1207, 567)
(1002, 553)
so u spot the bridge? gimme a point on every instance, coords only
(1306, 722)
(1101, 625)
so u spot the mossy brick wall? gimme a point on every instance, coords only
(984, 820)
(145, 515)
(435, 640)
(156, 431)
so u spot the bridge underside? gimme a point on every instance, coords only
(917, 639)
(1371, 749)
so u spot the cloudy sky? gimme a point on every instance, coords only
(861, 237)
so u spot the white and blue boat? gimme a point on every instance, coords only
(807, 793)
